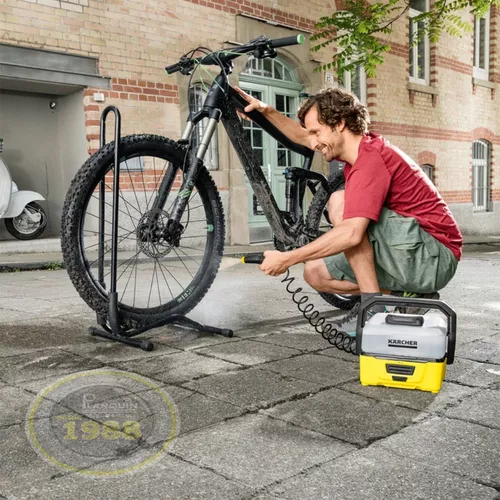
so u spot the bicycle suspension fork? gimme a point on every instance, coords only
(174, 227)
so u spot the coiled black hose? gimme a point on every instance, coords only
(338, 339)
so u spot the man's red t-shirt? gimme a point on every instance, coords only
(384, 176)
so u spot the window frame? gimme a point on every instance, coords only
(347, 83)
(430, 173)
(481, 163)
(414, 78)
(478, 72)
(197, 93)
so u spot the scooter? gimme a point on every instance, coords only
(24, 218)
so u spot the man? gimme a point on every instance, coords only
(392, 233)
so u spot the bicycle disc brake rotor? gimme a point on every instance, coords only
(150, 231)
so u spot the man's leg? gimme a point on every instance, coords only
(360, 258)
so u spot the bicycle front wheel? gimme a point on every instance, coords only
(154, 278)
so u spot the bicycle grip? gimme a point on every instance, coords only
(253, 258)
(288, 40)
(173, 68)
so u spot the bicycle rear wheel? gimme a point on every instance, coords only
(317, 220)
(154, 278)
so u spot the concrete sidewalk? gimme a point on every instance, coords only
(45, 253)
(273, 412)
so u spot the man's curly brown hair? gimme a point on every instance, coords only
(335, 105)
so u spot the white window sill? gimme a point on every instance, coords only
(482, 83)
(425, 89)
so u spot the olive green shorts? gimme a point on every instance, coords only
(407, 258)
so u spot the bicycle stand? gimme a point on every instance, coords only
(112, 329)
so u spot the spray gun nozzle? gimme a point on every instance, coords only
(253, 258)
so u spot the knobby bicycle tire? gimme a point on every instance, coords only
(81, 191)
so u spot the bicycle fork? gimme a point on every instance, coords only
(174, 227)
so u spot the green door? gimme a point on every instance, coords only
(274, 159)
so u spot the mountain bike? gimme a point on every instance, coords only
(171, 221)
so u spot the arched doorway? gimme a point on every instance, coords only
(273, 82)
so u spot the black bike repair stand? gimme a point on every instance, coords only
(112, 329)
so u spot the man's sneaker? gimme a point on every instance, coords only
(347, 324)
(411, 295)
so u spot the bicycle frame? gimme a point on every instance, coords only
(221, 103)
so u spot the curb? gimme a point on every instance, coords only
(14, 267)
(59, 263)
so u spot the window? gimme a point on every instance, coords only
(428, 171)
(481, 152)
(355, 82)
(419, 52)
(196, 98)
(482, 46)
(268, 68)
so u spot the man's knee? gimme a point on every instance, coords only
(315, 272)
(336, 207)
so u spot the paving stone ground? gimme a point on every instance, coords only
(274, 412)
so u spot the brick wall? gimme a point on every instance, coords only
(135, 39)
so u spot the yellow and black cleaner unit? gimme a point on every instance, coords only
(404, 350)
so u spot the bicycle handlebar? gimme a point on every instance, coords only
(261, 46)
(286, 41)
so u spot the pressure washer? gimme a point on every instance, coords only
(408, 351)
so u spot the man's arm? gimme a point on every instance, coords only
(346, 235)
(289, 127)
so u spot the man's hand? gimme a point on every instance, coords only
(275, 262)
(254, 104)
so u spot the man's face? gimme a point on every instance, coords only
(324, 139)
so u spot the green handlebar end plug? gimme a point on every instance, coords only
(301, 39)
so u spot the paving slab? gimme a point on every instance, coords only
(42, 365)
(305, 342)
(472, 373)
(335, 352)
(324, 370)
(169, 478)
(449, 395)
(19, 336)
(108, 352)
(248, 352)
(177, 367)
(15, 404)
(377, 474)
(466, 449)
(252, 388)
(481, 350)
(345, 416)
(20, 466)
(186, 339)
(198, 411)
(258, 450)
(489, 414)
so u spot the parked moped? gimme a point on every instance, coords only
(24, 218)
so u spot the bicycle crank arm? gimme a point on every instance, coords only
(253, 258)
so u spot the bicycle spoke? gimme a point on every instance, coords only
(169, 272)
(122, 264)
(158, 284)
(150, 271)
(166, 281)
(125, 200)
(121, 227)
(110, 205)
(128, 281)
(106, 252)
